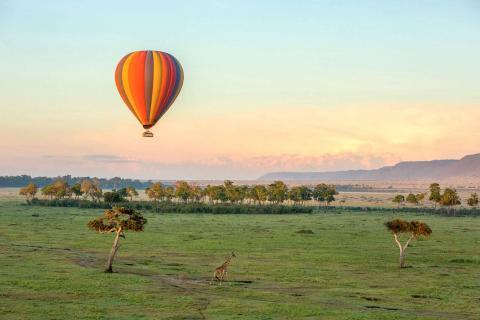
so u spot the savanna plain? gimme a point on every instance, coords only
(316, 266)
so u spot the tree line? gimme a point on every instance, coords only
(228, 192)
(448, 198)
(113, 183)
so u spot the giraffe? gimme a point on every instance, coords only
(220, 273)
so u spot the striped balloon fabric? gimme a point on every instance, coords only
(149, 82)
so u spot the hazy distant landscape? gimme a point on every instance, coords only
(467, 169)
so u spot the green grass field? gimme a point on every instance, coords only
(51, 267)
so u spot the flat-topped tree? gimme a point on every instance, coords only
(29, 191)
(131, 192)
(450, 199)
(156, 191)
(415, 229)
(473, 200)
(324, 193)
(412, 199)
(420, 197)
(435, 194)
(117, 220)
(399, 200)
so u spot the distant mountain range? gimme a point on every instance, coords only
(467, 167)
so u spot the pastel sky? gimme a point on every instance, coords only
(269, 86)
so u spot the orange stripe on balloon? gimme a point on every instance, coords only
(136, 80)
(126, 85)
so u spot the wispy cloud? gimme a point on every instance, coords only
(107, 158)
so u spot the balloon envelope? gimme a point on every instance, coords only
(149, 82)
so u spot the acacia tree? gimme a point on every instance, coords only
(156, 191)
(411, 198)
(435, 194)
(419, 197)
(183, 191)
(473, 200)
(218, 193)
(48, 191)
(91, 188)
(117, 220)
(131, 192)
(232, 191)
(196, 193)
(258, 193)
(295, 194)
(29, 191)
(450, 198)
(415, 229)
(324, 193)
(398, 199)
(277, 192)
(169, 193)
(61, 189)
(76, 189)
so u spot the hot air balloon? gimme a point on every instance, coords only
(149, 82)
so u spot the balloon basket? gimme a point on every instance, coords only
(147, 134)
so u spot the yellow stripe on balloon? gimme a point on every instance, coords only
(126, 83)
(157, 83)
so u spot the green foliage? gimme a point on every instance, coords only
(450, 198)
(324, 193)
(420, 197)
(473, 200)
(131, 192)
(91, 188)
(258, 193)
(399, 199)
(29, 191)
(115, 196)
(411, 198)
(414, 227)
(300, 194)
(118, 218)
(156, 191)
(435, 193)
(277, 192)
(77, 190)
(217, 193)
(183, 191)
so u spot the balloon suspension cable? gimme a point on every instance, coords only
(147, 134)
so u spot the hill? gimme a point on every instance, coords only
(467, 167)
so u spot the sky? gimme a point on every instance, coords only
(269, 86)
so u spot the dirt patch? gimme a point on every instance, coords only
(371, 298)
(379, 307)
(304, 231)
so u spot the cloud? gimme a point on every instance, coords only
(109, 158)
(248, 143)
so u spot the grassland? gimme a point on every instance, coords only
(50, 267)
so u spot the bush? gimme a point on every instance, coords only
(171, 207)
(227, 208)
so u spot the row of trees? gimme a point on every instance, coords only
(448, 198)
(60, 189)
(277, 192)
(112, 183)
